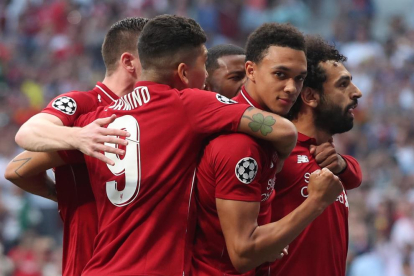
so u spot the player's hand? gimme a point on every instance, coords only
(91, 138)
(324, 186)
(327, 157)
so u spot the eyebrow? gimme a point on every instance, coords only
(345, 77)
(284, 68)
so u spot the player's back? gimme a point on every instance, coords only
(143, 201)
(76, 202)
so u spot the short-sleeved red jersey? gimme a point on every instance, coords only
(233, 167)
(321, 249)
(76, 202)
(144, 200)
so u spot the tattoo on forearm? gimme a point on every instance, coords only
(259, 122)
(24, 163)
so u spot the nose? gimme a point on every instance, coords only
(356, 93)
(290, 86)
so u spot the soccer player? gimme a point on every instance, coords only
(76, 202)
(325, 108)
(235, 177)
(145, 214)
(225, 68)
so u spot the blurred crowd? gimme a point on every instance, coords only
(48, 47)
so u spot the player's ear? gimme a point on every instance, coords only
(182, 73)
(127, 61)
(250, 68)
(310, 97)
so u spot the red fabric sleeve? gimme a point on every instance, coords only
(69, 106)
(236, 158)
(72, 156)
(210, 112)
(351, 177)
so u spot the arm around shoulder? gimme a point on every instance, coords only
(270, 127)
(44, 132)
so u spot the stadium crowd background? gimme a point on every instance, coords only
(48, 47)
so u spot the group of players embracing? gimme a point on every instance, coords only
(156, 176)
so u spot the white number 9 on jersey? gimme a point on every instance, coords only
(129, 166)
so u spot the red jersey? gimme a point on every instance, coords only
(144, 200)
(76, 202)
(321, 249)
(233, 167)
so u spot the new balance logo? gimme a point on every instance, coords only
(303, 159)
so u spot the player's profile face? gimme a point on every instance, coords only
(335, 111)
(229, 77)
(197, 72)
(279, 78)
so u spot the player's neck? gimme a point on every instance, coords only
(305, 125)
(162, 78)
(119, 83)
(251, 90)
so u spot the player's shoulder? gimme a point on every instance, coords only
(80, 93)
(234, 143)
(191, 92)
(75, 102)
(76, 96)
(203, 95)
(235, 138)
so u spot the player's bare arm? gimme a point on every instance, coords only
(271, 127)
(28, 172)
(250, 245)
(45, 132)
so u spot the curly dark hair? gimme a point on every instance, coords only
(122, 37)
(318, 50)
(218, 51)
(168, 40)
(273, 34)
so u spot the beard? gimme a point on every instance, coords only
(332, 118)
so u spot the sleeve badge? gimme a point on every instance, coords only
(65, 105)
(246, 170)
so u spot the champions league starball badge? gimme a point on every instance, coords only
(246, 170)
(65, 105)
(224, 99)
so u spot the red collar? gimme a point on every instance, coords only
(245, 97)
(105, 92)
(302, 138)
